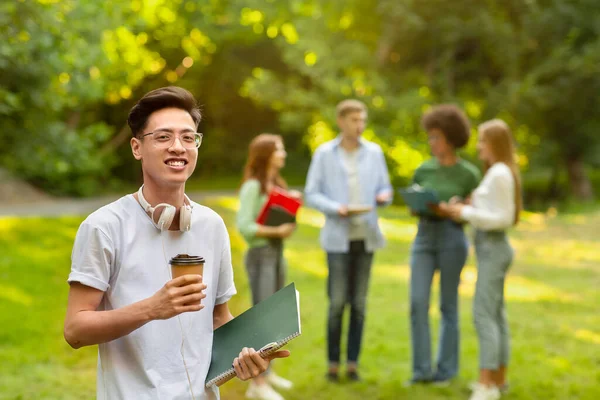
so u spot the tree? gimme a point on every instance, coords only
(533, 63)
(558, 93)
(66, 84)
(55, 67)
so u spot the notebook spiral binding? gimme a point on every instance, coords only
(230, 373)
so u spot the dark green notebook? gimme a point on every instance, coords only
(418, 198)
(268, 326)
(279, 216)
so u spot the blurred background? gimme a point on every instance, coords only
(71, 70)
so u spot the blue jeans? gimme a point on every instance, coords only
(439, 245)
(347, 284)
(494, 256)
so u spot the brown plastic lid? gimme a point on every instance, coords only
(185, 259)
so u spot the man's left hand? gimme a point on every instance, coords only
(295, 194)
(383, 198)
(249, 364)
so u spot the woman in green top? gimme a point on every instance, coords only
(440, 244)
(264, 259)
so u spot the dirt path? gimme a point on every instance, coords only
(55, 207)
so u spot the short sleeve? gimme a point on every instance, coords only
(417, 176)
(92, 257)
(226, 285)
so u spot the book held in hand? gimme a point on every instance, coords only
(267, 326)
(356, 209)
(280, 208)
(418, 198)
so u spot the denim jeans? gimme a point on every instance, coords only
(439, 245)
(347, 284)
(266, 269)
(494, 256)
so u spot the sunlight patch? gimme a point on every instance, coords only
(517, 288)
(400, 272)
(533, 218)
(230, 203)
(7, 224)
(561, 251)
(396, 230)
(560, 363)
(524, 289)
(306, 262)
(578, 219)
(587, 336)
(311, 217)
(15, 295)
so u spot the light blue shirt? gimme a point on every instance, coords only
(327, 190)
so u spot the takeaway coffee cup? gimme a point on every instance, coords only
(184, 264)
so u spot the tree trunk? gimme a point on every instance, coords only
(116, 140)
(553, 192)
(386, 43)
(73, 120)
(579, 182)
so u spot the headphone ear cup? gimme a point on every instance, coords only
(185, 218)
(166, 217)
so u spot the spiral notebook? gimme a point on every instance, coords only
(267, 326)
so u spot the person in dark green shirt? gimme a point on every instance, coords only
(264, 260)
(440, 244)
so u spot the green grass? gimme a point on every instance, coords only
(552, 303)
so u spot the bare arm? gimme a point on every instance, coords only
(278, 232)
(86, 326)
(221, 315)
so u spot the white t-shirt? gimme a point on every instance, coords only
(358, 224)
(119, 251)
(493, 201)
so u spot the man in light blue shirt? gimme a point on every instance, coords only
(347, 180)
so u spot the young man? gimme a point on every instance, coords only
(347, 172)
(154, 333)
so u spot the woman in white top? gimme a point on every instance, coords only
(495, 207)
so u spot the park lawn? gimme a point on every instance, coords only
(553, 305)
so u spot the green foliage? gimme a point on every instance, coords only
(522, 61)
(45, 88)
(75, 67)
(539, 186)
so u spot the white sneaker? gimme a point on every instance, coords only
(503, 388)
(278, 382)
(262, 392)
(482, 392)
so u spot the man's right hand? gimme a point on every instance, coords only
(285, 230)
(343, 211)
(179, 295)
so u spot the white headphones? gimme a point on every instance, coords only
(166, 217)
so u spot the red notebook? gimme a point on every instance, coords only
(279, 208)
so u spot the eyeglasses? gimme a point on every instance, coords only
(165, 139)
